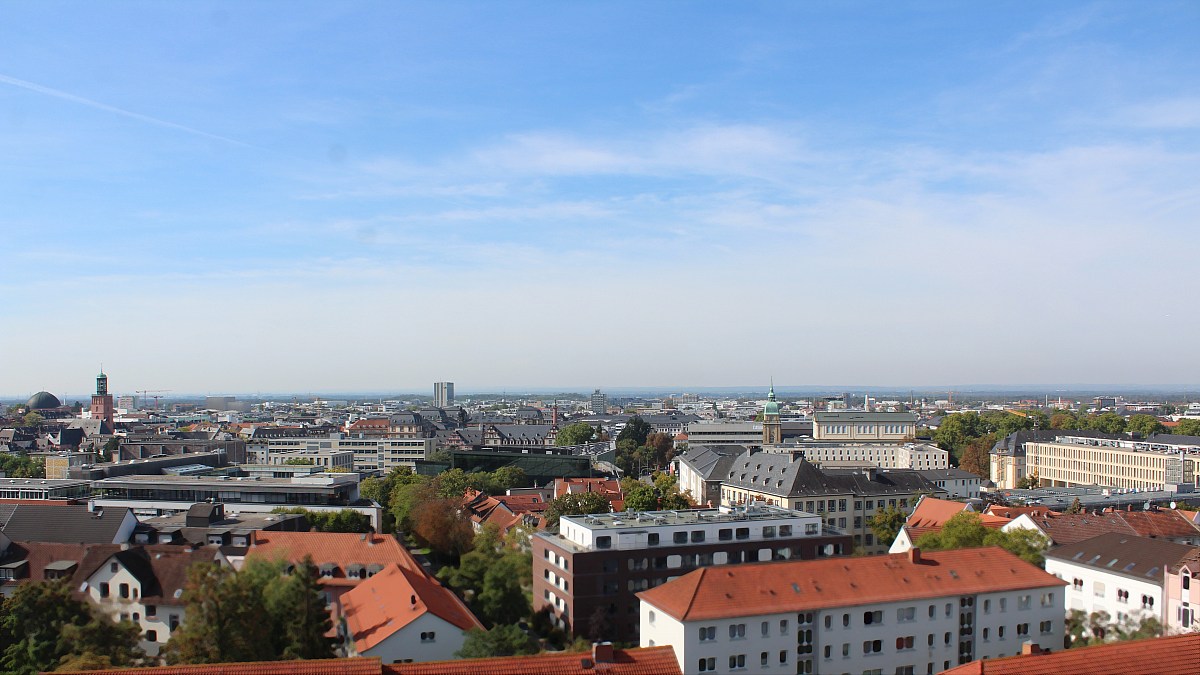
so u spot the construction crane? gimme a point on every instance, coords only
(145, 394)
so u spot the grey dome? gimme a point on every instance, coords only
(43, 400)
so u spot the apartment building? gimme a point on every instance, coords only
(846, 498)
(908, 613)
(919, 456)
(857, 425)
(705, 432)
(1155, 463)
(1182, 591)
(1117, 573)
(588, 572)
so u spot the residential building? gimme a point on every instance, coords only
(66, 523)
(1182, 591)
(599, 403)
(1118, 574)
(505, 511)
(931, 515)
(860, 426)
(588, 571)
(909, 613)
(701, 469)
(1155, 463)
(44, 488)
(164, 495)
(443, 394)
(1070, 528)
(917, 456)
(1174, 655)
(957, 483)
(403, 614)
(208, 524)
(846, 498)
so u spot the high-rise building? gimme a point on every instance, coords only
(443, 394)
(599, 403)
(102, 402)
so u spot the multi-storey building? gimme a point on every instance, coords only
(44, 488)
(706, 432)
(919, 456)
(860, 426)
(907, 613)
(1155, 463)
(370, 454)
(701, 469)
(587, 572)
(1117, 573)
(599, 404)
(443, 394)
(846, 498)
(1182, 591)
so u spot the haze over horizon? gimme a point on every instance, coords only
(221, 197)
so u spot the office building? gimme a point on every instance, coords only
(443, 394)
(860, 426)
(1156, 463)
(599, 403)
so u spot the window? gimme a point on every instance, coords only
(987, 606)
(1097, 589)
(783, 627)
(1046, 627)
(104, 589)
(1000, 632)
(697, 536)
(766, 628)
(1186, 581)
(804, 618)
(429, 636)
(929, 640)
(724, 534)
(151, 611)
(708, 633)
(845, 621)
(604, 542)
(652, 539)
(906, 614)
(152, 636)
(1003, 604)
(1047, 599)
(124, 590)
(1147, 602)
(1023, 601)
(1077, 584)
(737, 662)
(1022, 629)
(173, 622)
(785, 530)
(932, 611)
(828, 650)
(948, 608)
(708, 664)
(845, 650)
(768, 532)
(680, 537)
(903, 643)
(113, 567)
(783, 656)
(828, 620)
(737, 631)
(742, 533)
(1122, 595)
(947, 638)
(987, 633)
(873, 617)
(764, 659)
(872, 646)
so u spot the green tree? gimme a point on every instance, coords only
(42, 627)
(575, 434)
(575, 504)
(1076, 506)
(33, 419)
(299, 461)
(976, 456)
(507, 640)
(1109, 423)
(344, 520)
(1064, 420)
(502, 598)
(966, 530)
(296, 606)
(639, 496)
(224, 622)
(1145, 425)
(1029, 482)
(662, 446)
(409, 491)
(636, 430)
(886, 524)
(22, 466)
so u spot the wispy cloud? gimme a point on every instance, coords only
(73, 98)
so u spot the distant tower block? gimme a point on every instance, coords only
(599, 403)
(443, 394)
(772, 428)
(102, 402)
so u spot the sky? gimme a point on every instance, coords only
(373, 196)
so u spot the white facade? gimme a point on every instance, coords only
(114, 589)
(914, 636)
(370, 454)
(642, 530)
(426, 638)
(724, 433)
(1097, 590)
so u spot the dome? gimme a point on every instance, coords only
(43, 400)
(771, 408)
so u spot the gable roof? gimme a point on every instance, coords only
(1069, 528)
(355, 666)
(161, 569)
(786, 476)
(934, 512)
(776, 587)
(66, 524)
(340, 549)
(394, 598)
(1138, 557)
(1175, 655)
(642, 661)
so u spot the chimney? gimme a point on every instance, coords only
(914, 555)
(602, 652)
(1032, 649)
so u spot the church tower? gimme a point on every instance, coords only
(102, 402)
(772, 429)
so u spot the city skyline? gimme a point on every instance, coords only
(210, 197)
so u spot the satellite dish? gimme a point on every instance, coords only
(1172, 506)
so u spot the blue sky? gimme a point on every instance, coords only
(285, 196)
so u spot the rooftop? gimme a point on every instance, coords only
(1136, 557)
(394, 598)
(645, 519)
(643, 661)
(1175, 655)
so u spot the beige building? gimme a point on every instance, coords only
(861, 426)
(1155, 463)
(920, 456)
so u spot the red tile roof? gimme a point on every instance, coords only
(1069, 528)
(768, 588)
(394, 598)
(313, 667)
(1176, 655)
(643, 661)
(339, 548)
(933, 512)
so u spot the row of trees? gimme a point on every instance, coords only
(21, 466)
(345, 520)
(640, 448)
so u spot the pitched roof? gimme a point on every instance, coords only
(782, 474)
(162, 569)
(769, 588)
(1069, 528)
(341, 549)
(394, 598)
(66, 524)
(313, 667)
(643, 661)
(934, 512)
(1175, 655)
(1138, 557)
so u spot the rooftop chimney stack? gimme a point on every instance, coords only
(914, 555)
(602, 652)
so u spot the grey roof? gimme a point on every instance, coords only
(712, 462)
(863, 416)
(1014, 443)
(65, 524)
(780, 474)
(43, 400)
(1141, 558)
(951, 473)
(1173, 439)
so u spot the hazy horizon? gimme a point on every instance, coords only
(215, 196)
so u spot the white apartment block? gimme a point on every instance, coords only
(369, 454)
(919, 456)
(1121, 463)
(724, 433)
(849, 425)
(909, 613)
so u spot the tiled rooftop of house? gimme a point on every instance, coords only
(1176, 655)
(1137, 557)
(341, 557)
(313, 667)
(396, 597)
(769, 588)
(643, 661)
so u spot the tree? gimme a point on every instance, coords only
(1076, 506)
(507, 640)
(575, 504)
(1188, 427)
(22, 466)
(966, 530)
(663, 447)
(299, 461)
(575, 434)
(33, 419)
(886, 524)
(296, 604)
(1064, 420)
(408, 491)
(639, 496)
(502, 598)
(441, 524)
(1029, 482)
(1146, 425)
(976, 456)
(1109, 423)
(636, 430)
(344, 520)
(43, 627)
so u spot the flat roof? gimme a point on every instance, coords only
(42, 482)
(314, 481)
(644, 519)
